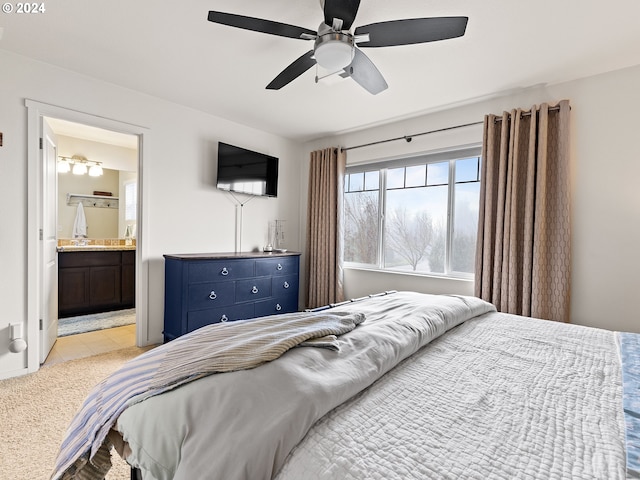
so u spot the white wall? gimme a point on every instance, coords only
(182, 209)
(605, 192)
(101, 222)
(113, 158)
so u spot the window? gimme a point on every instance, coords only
(130, 201)
(417, 214)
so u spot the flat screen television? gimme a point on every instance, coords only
(245, 171)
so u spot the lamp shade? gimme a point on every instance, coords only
(63, 166)
(79, 169)
(334, 51)
(95, 171)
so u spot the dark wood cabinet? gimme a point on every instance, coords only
(128, 278)
(95, 281)
(201, 289)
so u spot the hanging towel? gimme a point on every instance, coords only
(80, 224)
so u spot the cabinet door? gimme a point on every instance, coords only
(128, 279)
(105, 286)
(73, 290)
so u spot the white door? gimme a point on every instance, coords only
(49, 243)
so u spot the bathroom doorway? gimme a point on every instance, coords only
(37, 213)
(96, 225)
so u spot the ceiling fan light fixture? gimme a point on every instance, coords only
(334, 51)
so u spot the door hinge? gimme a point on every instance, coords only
(40, 143)
(41, 234)
(41, 324)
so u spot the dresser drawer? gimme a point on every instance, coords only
(201, 318)
(276, 266)
(220, 270)
(275, 305)
(284, 285)
(253, 289)
(211, 295)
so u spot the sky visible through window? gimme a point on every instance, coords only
(417, 231)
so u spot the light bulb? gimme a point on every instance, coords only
(95, 171)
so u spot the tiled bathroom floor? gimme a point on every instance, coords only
(91, 343)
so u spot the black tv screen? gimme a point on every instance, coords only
(245, 171)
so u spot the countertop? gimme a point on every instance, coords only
(94, 248)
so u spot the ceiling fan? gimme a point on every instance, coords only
(337, 49)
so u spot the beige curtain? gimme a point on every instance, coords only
(523, 257)
(324, 227)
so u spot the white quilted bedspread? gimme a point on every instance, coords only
(477, 395)
(499, 397)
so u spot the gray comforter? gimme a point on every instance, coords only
(242, 425)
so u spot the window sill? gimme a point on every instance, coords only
(457, 278)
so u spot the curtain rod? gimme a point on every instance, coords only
(528, 114)
(408, 138)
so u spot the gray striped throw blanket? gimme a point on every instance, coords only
(85, 451)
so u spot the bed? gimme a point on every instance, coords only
(400, 385)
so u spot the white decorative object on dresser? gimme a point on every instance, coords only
(201, 289)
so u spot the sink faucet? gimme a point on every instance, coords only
(80, 243)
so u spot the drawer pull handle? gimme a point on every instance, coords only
(279, 267)
(278, 307)
(254, 290)
(286, 285)
(213, 295)
(224, 271)
(224, 318)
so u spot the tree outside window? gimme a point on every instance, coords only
(414, 215)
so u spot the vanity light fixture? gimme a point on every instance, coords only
(79, 168)
(63, 165)
(79, 165)
(95, 170)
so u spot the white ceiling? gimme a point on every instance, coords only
(168, 49)
(94, 134)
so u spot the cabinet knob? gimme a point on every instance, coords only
(286, 285)
(279, 267)
(224, 318)
(278, 307)
(213, 295)
(224, 271)
(254, 290)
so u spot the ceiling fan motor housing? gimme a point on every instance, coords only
(334, 50)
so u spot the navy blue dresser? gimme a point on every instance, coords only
(201, 289)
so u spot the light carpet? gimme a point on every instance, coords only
(96, 321)
(36, 409)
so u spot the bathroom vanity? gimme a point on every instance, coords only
(95, 279)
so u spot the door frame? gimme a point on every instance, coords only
(35, 111)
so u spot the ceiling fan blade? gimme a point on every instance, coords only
(364, 72)
(413, 30)
(259, 25)
(293, 71)
(345, 10)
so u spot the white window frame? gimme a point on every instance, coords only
(421, 159)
